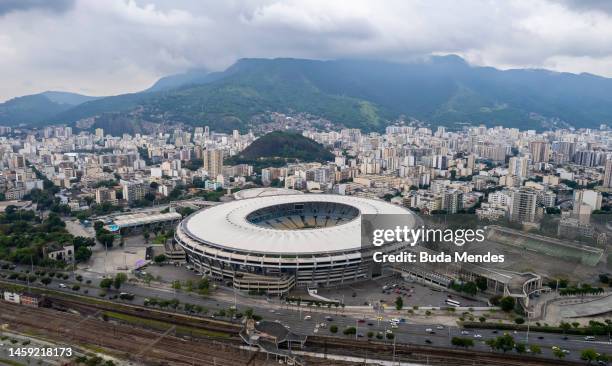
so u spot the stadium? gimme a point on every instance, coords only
(273, 243)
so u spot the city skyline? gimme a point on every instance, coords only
(305, 182)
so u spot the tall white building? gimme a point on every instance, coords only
(452, 201)
(587, 197)
(213, 162)
(523, 205)
(518, 166)
(133, 190)
(540, 151)
(607, 182)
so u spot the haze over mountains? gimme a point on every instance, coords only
(356, 93)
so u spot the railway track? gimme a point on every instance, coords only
(84, 307)
(121, 340)
(329, 345)
(426, 355)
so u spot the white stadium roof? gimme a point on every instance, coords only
(264, 192)
(226, 226)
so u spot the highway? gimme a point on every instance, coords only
(408, 332)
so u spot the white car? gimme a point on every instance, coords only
(477, 336)
(440, 327)
(464, 332)
(61, 285)
(394, 326)
(429, 330)
(307, 317)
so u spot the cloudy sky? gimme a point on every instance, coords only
(104, 47)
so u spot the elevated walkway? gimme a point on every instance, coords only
(268, 336)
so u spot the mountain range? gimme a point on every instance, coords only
(39, 108)
(438, 90)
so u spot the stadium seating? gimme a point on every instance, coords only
(303, 215)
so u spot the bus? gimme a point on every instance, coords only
(453, 303)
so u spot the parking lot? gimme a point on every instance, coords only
(170, 272)
(412, 294)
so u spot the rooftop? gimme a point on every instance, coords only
(226, 226)
(144, 218)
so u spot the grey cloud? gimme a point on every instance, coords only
(115, 46)
(588, 5)
(9, 6)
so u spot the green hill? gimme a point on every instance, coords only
(39, 108)
(279, 148)
(365, 94)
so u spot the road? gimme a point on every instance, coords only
(409, 333)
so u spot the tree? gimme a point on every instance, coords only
(203, 286)
(495, 300)
(349, 331)
(174, 303)
(589, 355)
(333, 329)
(82, 254)
(481, 283)
(535, 349)
(557, 352)
(565, 326)
(470, 288)
(491, 343)
(105, 237)
(45, 281)
(189, 285)
(399, 303)
(503, 343)
(462, 342)
(507, 303)
(120, 279)
(159, 259)
(520, 348)
(98, 225)
(106, 283)
(188, 308)
(506, 342)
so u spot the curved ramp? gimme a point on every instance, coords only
(588, 308)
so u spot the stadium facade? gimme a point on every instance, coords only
(272, 243)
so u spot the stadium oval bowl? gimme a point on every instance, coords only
(273, 243)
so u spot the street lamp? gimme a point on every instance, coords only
(527, 335)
